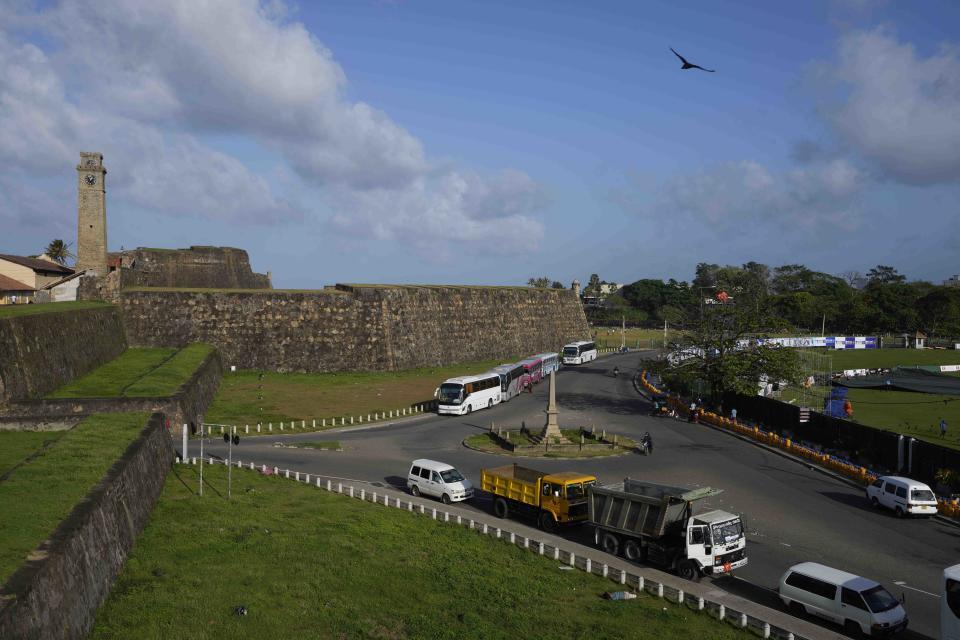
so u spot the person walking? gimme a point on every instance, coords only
(733, 413)
(943, 428)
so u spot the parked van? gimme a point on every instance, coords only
(950, 604)
(859, 604)
(903, 495)
(438, 479)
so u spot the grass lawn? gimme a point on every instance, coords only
(15, 446)
(138, 372)
(305, 396)
(308, 564)
(914, 414)
(17, 310)
(38, 495)
(610, 337)
(889, 358)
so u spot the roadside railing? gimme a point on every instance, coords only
(634, 582)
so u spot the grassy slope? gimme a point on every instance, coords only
(166, 379)
(38, 495)
(15, 446)
(304, 396)
(309, 564)
(17, 310)
(110, 379)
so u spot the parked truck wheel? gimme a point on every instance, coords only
(687, 569)
(610, 543)
(632, 551)
(500, 508)
(547, 522)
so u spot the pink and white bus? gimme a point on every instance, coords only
(513, 380)
(549, 362)
(534, 368)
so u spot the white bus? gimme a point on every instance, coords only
(579, 352)
(551, 362)
(465, 394)
(513, 379)
(950, 604)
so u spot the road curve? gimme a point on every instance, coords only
(792, 513)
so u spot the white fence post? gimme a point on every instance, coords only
(722, 612)
(589, 567)
(659, 589)
(700, 604)
(640, 583)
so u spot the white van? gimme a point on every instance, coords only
(438, 479)
(950, 604)
(903, 495)
(859, 604)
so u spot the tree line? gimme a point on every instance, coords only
(880, 301)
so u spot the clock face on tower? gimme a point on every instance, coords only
(91, 179)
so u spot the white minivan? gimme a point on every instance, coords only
(859, 604)
(438, 479)
(903, 495)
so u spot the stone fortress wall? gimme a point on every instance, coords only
(357, 327)
(41, 352)
(198, 267)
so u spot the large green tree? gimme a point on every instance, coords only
(722, 350)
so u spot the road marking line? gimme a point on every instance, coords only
(901, 583)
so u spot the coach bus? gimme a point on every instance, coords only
(465, 394)
(550, 362)
(534, 368)
(579, 352)
(513, 380)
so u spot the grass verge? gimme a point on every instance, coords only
(305, 396)
(889, 358)
(42, 492)
(309, 564)
(19, 310)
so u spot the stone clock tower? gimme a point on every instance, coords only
(91, 214)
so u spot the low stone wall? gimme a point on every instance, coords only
(358, 327)
(43, 351)
(56, 593)
(186, 406)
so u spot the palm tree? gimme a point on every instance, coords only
(59, 251)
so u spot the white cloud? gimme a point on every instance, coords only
(744, 193)
(448, 213)
(151, 83)
(900, 110)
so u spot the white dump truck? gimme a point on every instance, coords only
(656, 524)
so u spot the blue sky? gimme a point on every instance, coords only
(486, 143)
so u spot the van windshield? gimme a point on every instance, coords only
(922, 495)
(451, 475)
(879, 599)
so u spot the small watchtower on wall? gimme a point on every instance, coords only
(91, 214)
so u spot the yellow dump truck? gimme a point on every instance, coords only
(551, 497)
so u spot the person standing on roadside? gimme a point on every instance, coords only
(943, 428)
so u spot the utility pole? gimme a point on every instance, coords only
(664, 334)
(823, 326)
(201, 458)
(623, 332)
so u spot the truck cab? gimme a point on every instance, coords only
(716, 542)
(565, 495)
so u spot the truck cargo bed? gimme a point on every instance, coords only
(513, 482)
(643, 508)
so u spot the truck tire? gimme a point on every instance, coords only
(547, 522)
(415, 491)
(610, 543)
(632, 551)
(687, 570)
(500, 508)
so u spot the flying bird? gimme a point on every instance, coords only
(687, 65)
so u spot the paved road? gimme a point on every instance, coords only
(792, 513)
